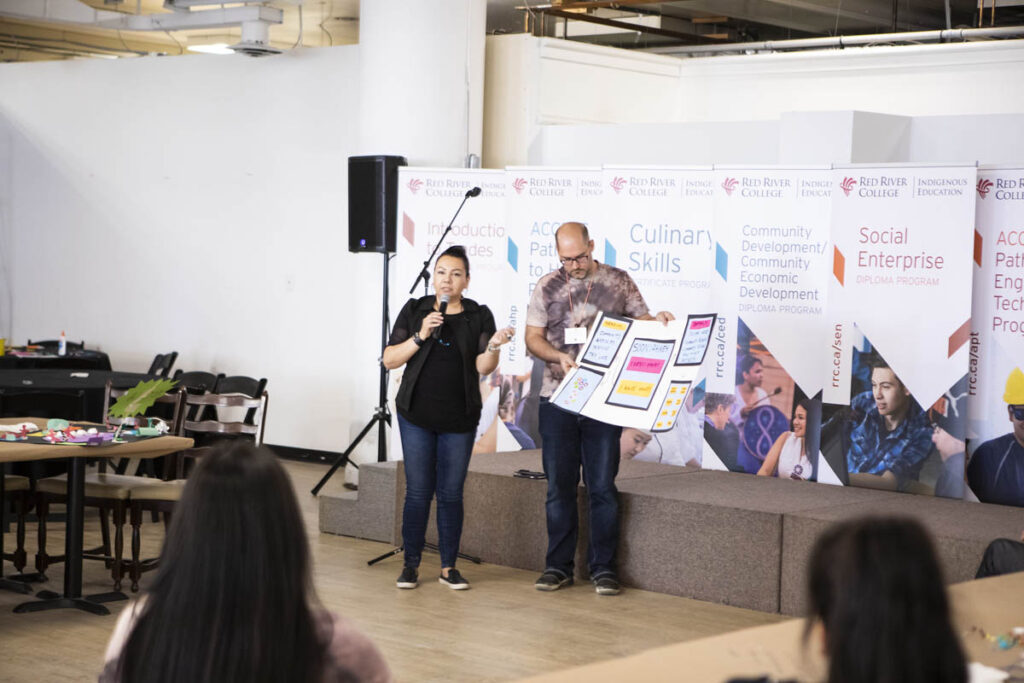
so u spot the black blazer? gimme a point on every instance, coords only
(471, 332)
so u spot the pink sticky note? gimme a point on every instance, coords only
(638, 364)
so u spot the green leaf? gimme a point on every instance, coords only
(140, 398)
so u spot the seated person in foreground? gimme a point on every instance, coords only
(1002, 556)
(878, 605)
(233, 599)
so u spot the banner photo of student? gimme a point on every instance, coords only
(427, 199)
(537, 201)
(772, 226)
(656, 225)
(899, 307)
(995, 468)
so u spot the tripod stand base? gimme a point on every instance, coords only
(426, 546)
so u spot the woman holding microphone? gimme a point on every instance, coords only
(447, 342)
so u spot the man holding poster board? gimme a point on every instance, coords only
(564, 304)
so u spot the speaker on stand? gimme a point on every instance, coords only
(372, 226)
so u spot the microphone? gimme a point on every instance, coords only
(475, 192)
(778, 390)
(445, 298)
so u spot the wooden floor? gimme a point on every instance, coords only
(500, 630)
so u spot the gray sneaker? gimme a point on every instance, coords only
(607, 584)
(552, 580)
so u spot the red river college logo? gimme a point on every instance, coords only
(729, 184)
(847, 185)
(414, 185)
(518, 184)
(617, 184)
(984, 185)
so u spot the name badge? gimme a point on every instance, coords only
(575, 335)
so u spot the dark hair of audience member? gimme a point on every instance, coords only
(233, 598)
(876, 588)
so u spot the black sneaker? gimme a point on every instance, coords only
(454, 580)
(551, 580)
(409, 578)
(607, 584)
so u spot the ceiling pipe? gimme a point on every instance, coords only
(964, 34)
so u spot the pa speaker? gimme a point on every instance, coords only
(373, 202)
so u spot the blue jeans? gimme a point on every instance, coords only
(571, 440)
(433, 461)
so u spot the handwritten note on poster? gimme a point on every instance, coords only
(606, 341)
(695, 339)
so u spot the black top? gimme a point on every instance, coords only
(440, 388)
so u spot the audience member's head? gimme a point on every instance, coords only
(233, 599)
(876, 590)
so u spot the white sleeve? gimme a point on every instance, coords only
(124, 625)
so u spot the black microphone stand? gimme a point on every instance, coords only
(425, 272)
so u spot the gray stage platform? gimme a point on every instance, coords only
(728, 538)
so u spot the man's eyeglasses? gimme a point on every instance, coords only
(582, 258)
(1017, 412)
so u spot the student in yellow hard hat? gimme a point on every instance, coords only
(996, 470)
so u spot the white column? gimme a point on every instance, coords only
(421, 79)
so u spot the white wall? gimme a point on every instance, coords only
(532, 82)
(922, 80)
(200, 204)
(852, 105)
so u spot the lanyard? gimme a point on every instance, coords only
(568, 287)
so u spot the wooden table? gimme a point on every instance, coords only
(15, 451)
(995, 604)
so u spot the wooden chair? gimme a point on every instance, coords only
(162, 364)
(161, 497)
(108, 492)
(240, 384)
(17, 490)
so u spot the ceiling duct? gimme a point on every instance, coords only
(255, 19)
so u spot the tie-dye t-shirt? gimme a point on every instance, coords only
(612, 291)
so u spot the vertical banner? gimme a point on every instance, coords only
(656, 225)
(995, 470)
(899, 326)
(537, 201)
(772, 226)
(427, 199)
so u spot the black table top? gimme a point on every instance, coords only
(84, 359)
(69, 379)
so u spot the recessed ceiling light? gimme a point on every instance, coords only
(212, 49)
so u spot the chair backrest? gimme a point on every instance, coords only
(200, 401)
(196, 382)
(240, 384)
(174, 398)
(162, 364)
